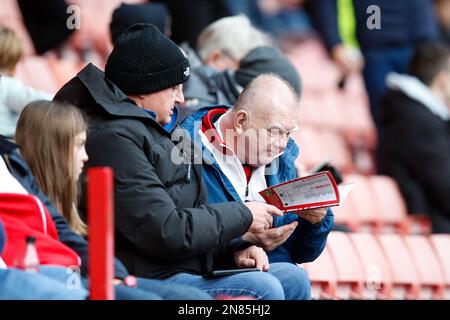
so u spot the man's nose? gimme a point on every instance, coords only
(180, 96)
(283, 141)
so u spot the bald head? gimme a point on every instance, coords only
(264, 116)
(267, 93)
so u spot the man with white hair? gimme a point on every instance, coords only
(233, 52)
(225, 42)
(248, 148)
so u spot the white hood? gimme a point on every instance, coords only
(417, 90)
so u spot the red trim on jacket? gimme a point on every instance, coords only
(211, 133)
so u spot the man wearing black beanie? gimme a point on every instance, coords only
(164, 227)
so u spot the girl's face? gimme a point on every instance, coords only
(79, 154)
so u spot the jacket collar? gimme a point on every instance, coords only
(417, 90)
(193, 123)
(6, 146)
(110, 98)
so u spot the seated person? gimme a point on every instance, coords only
(16, 284)
(165, 228)
(16, 177)
(13, 94)
(231, 52)
(246, 149)
(415, 146)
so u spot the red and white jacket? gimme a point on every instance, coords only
(24, 215)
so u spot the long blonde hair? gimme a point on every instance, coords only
(46, 134)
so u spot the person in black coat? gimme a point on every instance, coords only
(144, 289)
(164, 227)
(415, 146)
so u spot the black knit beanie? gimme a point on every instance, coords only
(263, 60)
(145, 61)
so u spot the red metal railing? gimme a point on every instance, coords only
(101, 233)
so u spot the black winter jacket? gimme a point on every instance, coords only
(415, 150)
(163, 225)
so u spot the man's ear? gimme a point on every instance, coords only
(240, 120)
(138, 99)
(213, 57)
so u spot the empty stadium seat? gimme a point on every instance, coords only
(322, 274)
(64, 70)
(349, 270)
(427, 265)
(377, 270)
(441, 245)
(37, 73)
(335, 148)
(11, 17)
(362, 204)
(316, 145)
(308, 140)
(405, 279)
(343, 214)
(418, 224)
(391, 208)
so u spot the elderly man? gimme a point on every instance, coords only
(164, 227)
(247, 148)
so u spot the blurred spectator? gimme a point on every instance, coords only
(403, 25)
(222, 44)
(442, 8)
(280, 18)
(13, 94)
(190, 17)
(208, 87)
(128, 14)
(232, 52)
(46, 22)
(415, 144)
(180, 237)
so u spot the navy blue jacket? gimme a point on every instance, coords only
(403, 22)
(308, 241)
(20, 170)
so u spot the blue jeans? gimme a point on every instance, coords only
(172, 291)
(20, 285)
(146, 289)
(378, 63)
(282, 281)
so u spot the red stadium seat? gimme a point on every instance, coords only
(37, 73)
(392, 211)
(427, 265)
(377, 271)
(322, 274)
(64, 70)
(335, 148)
(309, 142)
(441, 245)
(363, 205)
(405, 279)
(419, 224)
(350, 272)
(317, 145)
(344, 215)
